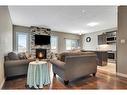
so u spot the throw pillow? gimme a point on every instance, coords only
(28, 55)
(53, 55)
(22, 55)
(13, 56)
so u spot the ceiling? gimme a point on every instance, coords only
(71, 19)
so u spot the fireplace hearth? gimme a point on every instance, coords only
(41, 54)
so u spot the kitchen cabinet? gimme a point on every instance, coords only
(102, 57)
(102, 39)
(111, 37)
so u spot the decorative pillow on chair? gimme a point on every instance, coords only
(13, 56)
(53, 55)
(28, 55)
(22, 55)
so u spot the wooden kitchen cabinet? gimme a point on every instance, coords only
(102, 57)
(102, 39)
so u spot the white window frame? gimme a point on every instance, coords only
(27, 41)
(71, 44)
(56, 49)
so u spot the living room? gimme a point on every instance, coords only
(62, 38)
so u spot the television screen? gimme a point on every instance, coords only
(42, 39)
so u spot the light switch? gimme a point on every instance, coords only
(122, 41)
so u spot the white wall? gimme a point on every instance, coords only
(5, 39)
(93, 45)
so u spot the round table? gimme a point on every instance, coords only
(38, 74)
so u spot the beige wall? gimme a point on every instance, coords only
(61, 36)
(61, 39)
(5, 38)
(17, 28)
(122, 35)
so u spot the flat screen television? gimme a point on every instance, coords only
(42, 40)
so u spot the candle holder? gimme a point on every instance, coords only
(37, 60)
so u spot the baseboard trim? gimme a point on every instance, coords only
(2, 84)
(122, 75)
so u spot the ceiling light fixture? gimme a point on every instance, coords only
(82, 32)
(83, 11)
(92, 24)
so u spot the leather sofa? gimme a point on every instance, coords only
(75, 66)
(16, 66)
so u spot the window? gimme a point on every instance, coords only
(21, 41)
(54, 43)
(71, 44)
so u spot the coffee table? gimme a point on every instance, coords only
(38, 74)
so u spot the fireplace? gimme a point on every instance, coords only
(41, 53)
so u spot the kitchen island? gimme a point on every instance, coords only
(102, 56)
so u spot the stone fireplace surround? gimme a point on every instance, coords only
(33, 47)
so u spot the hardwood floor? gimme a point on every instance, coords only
(103, 80)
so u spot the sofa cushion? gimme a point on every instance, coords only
(57, 63)
(53, 55)
(22, 55)
(13, 56)
(28, 55)
(63, 55)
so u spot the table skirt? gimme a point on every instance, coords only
(38, 75)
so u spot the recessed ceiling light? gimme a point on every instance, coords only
(92, 24)
(83, 11)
